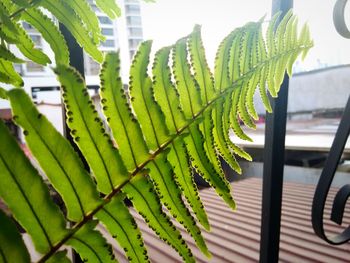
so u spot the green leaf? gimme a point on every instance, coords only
(89, 133)
(305, 39)
(241, 106)
(122, 226)
(59, 257)
(262, 91)
(66, 15)
(226, 130)
(179, 158)
(249, 100)
(56, 157)
(202, 75)
(109, 7)
(91, 245)
(9, 75)
(125, 128)
(8, 55)
(3, 94)
(186, 85)
(7, 25)
(12, 248)
(272, 49)
(26, 195)
(88, 17)
(50, 33)
(170, 195)
(23, 3)
(234, 63)
(204, 167)
(206, 128)
(26, 46)
(140, 191)
(234, 118)
(245, 57)
(221, 145)
(222, 59)
(152, 121)
(280, 43)
(165, 92)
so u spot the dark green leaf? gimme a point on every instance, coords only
(12, 248)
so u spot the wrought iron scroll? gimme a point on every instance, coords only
(334, 156)
(325, 182)
(339, 18)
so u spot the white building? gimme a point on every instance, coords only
(124, 33)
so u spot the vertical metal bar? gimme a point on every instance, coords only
(77, 61)
(75, 51)
(275, 131)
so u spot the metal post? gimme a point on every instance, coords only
(77, 61)
(75, 51)
(275, 131)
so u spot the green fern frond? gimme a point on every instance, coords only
(160, 134)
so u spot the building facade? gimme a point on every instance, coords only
(123, 34)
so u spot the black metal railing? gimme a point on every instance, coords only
(275, 130)
(325, 182)
(332, 162)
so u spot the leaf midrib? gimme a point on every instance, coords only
(144, 96)
(150, 209)
(28, 202)
(2, 254)
(92, 138)
(122, 120)
(126, 234)
(182, 169)
(117, 190)
(164, 76)
(58, 162)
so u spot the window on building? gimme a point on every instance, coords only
(19, 68)
(134, 20)
(108, 43)
(37, 40)
(92, 68)
(133, 43)
(94, 7)
(27, 26)
(135, 32)
(132, 9)
(105, 20)
(132, 53)
(33, 67)
(107, 31)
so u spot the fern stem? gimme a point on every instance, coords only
(161, 148)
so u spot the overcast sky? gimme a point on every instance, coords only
(167, 20)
